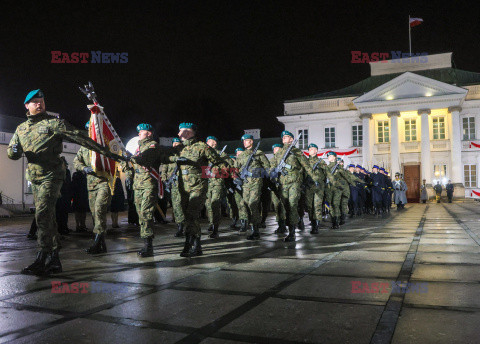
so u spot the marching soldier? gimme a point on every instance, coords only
(192, 186)
(252, 185)
(378, 184)
(41, 139)
(99, 196)
(345, 194)
(277, 203)
(314, 194)
(216, 188)
(290, 183)
(166, 172)
(145, 184)
(239, 202)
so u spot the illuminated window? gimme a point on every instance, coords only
(357, 135)
(468, 128)
(329, 137)
(303, 140)
(411, 130)
(383, 132)
(470, 176)
(438, 128)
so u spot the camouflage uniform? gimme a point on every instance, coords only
(99, 193)
(145, 186)
(337, 191)
(193, 188)
(315, 194)
(215, 191)
(252, 185)
(166, 172)
(41, 139)
(280, 216)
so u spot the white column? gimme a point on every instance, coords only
(456, 146)
(394, 142)
(367, 148)
(425, 147)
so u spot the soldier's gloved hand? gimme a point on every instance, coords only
(128, 183)
(14, 148)
(88, 170)
(317, 184)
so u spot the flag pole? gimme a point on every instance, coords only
(409, 36)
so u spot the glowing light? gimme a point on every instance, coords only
(428, 94)
(389, 97)
(132, 145)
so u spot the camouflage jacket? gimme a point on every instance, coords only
(41, 139)
(259, 166)
(217, 174)
(199, 156)
(166, 170)
(148, 157)
(320, 172)
(296, 165)
(342, 177)
(81, 161)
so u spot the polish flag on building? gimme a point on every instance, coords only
(415, 21)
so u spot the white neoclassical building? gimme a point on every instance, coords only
(417, 118)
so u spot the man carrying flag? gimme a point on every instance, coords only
(99, 196)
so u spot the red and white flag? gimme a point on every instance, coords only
(415, 21)
(102, 132)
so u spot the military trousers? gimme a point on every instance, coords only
(177, 205)
(251, 193)
(99, 200)
(279, 208)
(214, 201)
(290, 196)
(45, 195)
(145, 200)
(313, 200)
(193, 194)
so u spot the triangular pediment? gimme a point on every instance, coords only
(409, 85)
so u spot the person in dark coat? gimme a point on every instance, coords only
(438, 191)
(80, 200)
(118, 202)
(132, 211)
(64, 203)
(450, 188)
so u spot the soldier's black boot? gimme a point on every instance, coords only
(243, 226)
(281, 227)
(187, 246)
(180, 227)
(147, 250)
(335, 220)
(233, 225)
(196, 249)
(301, 225)
(263, 225)
(38, 266)
(214, 234)
(291, 234)
(314, 224)
(255, 235)
(52, 264)
(32, 234)
(210, 228)
(98, 245)
(342, 219)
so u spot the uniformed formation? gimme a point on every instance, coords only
(196, 174)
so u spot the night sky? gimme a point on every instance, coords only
(225, 65)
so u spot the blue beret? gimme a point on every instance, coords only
(382, 169)
(186, 125)
(359, 166)
(239, 150)
(87, 125)
(331, 153)
(212, 138)
(233, 157)
(277, 145)
(375, 166)
(144, 126)
(247, 137)
(312, 145)
(33, 94)
(351, 165)
(339, 159)
(286, 132)
(175, 139)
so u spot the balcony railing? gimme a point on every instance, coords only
(411, 146)
(440, 145)
(382, 148)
